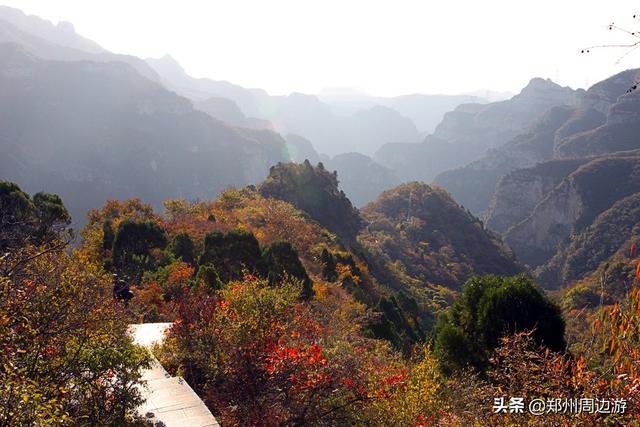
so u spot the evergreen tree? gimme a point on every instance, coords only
(132, 245)
(328, 266)
(281, 259)
(232, 254)
(489, 308)
(182, 247)
(22, 219)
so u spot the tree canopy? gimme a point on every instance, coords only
(315, 191)
(65, 355)
(489, 308)
(24, 219)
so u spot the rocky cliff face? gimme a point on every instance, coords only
(473, 185)
(572, 206)
(459, 121)
(603, 120)
(618, 133)
(602, 95)
(519, 192)
(613, 231)
(618, 112)
(536, 239)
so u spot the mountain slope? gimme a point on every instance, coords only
(228, 111)
(618, 133)
(473, 185)
(59, 42)
(175, 78)
(466, 133)
(92, 131)
(604, 121)
(519, 192)
(609, 233)
(315, 191)
(420, 237)
(573, 205)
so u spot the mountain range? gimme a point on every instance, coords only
(333, 121)
(552, 190)
(96, 130)
(551, 170)
(239, 120)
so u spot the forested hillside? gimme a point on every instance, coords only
(420, 235)
(316, 259)
(273, 316)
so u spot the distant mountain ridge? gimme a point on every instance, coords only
(467, 132)
(297, 113)
(553, 190)
(426, 111)
(59, 42)
(92, 130)
(62, 34)
(333, 123)
(604, 120)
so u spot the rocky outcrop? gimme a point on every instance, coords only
(619, 113)
(519, 192)
(537, 238)
(573, 205)
(473, 185)
(611, 232)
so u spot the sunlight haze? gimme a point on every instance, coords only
(379, 47)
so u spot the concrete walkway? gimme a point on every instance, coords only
(170, 401)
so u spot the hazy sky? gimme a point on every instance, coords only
(388, 47)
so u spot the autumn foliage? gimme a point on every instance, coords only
(261, 357)
(65, 356)
(277, 322)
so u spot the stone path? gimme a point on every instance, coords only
(170, 401)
